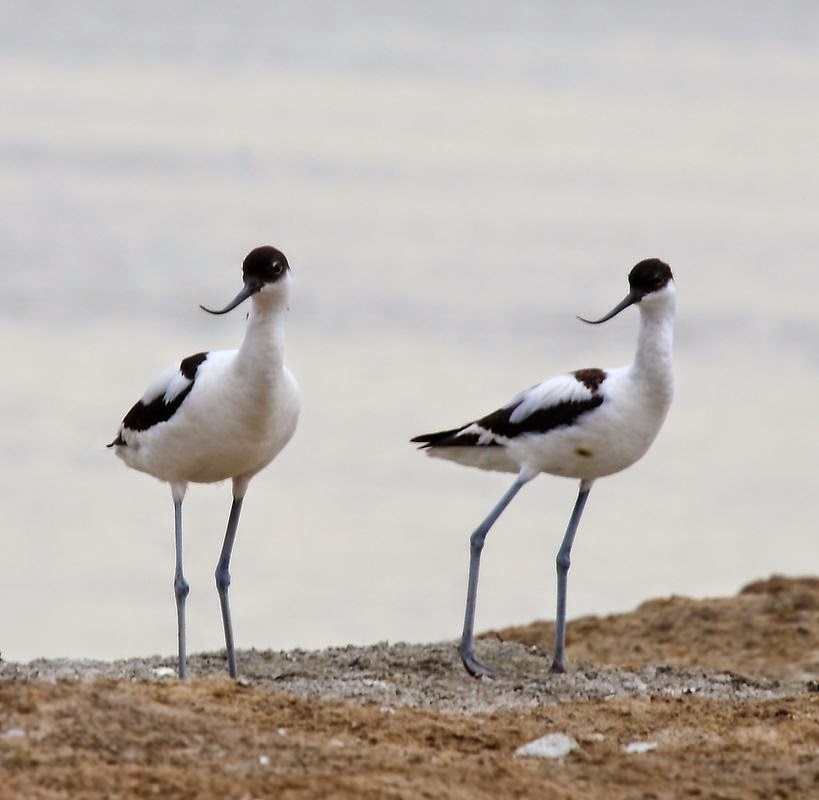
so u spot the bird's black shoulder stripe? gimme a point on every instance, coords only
(145, 415)
(142, 416)
(500, 424)
(542, 420)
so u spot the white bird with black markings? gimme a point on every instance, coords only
(219, 415)
(584, 425)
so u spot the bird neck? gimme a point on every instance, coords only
(263, 345)
(655, 341)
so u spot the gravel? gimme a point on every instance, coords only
(422, 676)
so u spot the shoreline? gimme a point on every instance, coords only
(700, 698)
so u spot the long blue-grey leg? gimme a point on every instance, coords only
(476, 541)
(223, 581)
(563, 561)
(180, 585)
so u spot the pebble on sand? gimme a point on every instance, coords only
(640, 747)
(552, 745)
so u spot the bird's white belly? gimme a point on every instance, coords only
(606, 440)
(220, 432)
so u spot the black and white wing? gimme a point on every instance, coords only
(162, 399)
(557, 402)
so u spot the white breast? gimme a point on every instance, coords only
(604, 440)
(227, 426)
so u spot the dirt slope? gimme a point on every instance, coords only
(770, 629)
(404, 721)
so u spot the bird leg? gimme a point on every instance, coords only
(476, 541)
(563, 561)
(223, 581)
(180, 585)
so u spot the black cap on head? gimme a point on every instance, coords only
(649, 275)
(264, 264)
(261, 266)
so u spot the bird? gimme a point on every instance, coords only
(586, 424)
(219, 415)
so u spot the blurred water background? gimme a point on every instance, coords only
(452, 182)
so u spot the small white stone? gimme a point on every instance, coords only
(281, 731)
(640, 747)
(336, 743)
(14, 733)
(164, 672)
(552, 745)
(264, 760)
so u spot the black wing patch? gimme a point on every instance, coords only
(143, 416)
(541, 421)
(499, 423)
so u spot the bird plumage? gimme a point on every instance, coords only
(585, 424)
(219, 415)
(216, 422)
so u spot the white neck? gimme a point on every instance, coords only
(655, 340)
(262, 349)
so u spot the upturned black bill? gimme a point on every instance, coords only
(628, 300)
(247, 291)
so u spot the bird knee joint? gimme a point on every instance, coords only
(222, 578)
(563, 561)
(181, 588)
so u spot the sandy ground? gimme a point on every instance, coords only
(680, 698)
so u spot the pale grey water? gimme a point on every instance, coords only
(451, 183)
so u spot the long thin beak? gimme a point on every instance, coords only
(248, 290)
(630, 299)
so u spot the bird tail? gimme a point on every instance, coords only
(440, 438)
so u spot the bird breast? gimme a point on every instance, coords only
(606, 439)
(229, 425)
